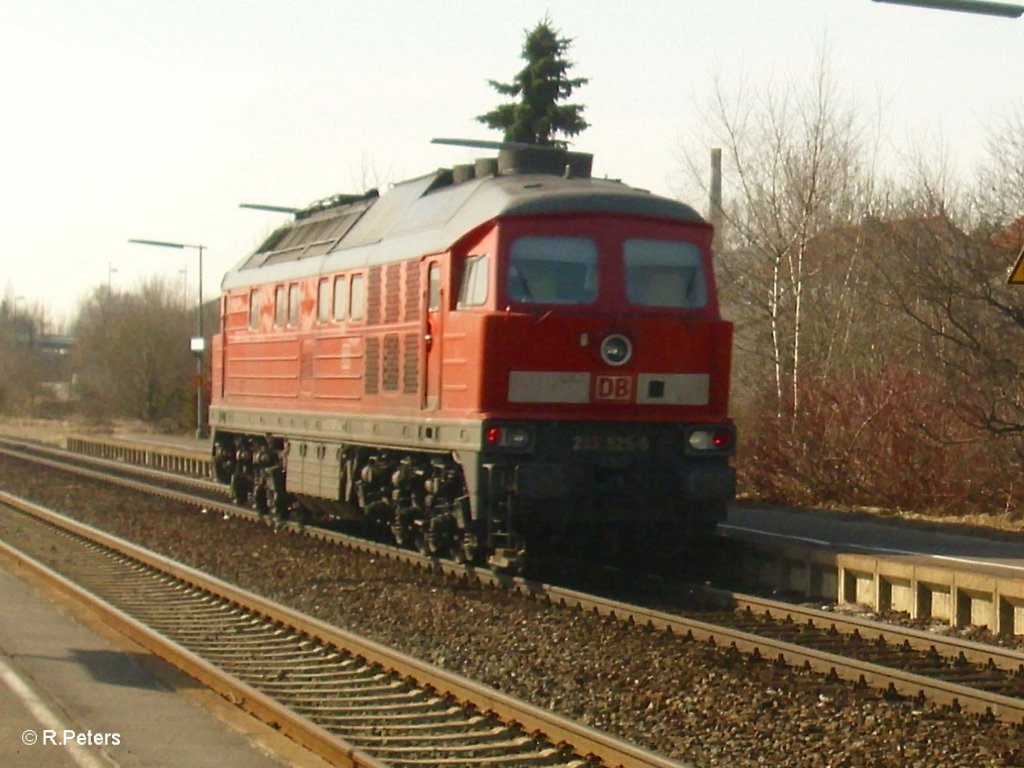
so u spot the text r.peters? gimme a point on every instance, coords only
(86, 739)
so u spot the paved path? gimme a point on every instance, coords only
(72, 696)
(861, 535)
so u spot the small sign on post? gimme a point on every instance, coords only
(1017, 273)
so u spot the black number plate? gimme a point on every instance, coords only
(611, 443)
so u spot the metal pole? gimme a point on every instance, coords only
(201, 432)
(1008, 10)
(200, 425)
(715, 201)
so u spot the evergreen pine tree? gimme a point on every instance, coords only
(537, 117)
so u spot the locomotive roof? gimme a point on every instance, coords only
(429, 214)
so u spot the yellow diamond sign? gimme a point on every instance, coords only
(1017, 273)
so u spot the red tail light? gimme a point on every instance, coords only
(722, 439)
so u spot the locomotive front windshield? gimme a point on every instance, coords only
(667, 274)
(664, 273)
(553, 270)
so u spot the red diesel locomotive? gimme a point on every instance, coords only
(488, 358)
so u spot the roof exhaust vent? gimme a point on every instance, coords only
(551, 160)
(461, 173)
(519, 157)
(486, 166)
(580, 164)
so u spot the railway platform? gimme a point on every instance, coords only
(938, 573)
(184, 455)
(75, 695)
(989, 549)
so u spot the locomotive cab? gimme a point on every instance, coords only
(604, 377)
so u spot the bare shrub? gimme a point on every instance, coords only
(888, 439)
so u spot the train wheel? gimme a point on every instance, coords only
(259, 499)
(466, 550)
(239, 488)
(277, 504)
(420, 543)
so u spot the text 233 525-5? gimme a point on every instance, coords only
(611, 443)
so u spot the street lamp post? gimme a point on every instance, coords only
(198, 342)
(1007, 10)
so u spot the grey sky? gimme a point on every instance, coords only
(129, 118)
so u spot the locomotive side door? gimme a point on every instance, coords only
(431, 336)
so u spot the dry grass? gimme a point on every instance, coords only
(56, 431)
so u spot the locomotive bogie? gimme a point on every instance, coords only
(524, 482)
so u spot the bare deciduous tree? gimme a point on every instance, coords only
(969, 322)
(132, 353)
(799, 164)
(869, 363)
(22, 363)
(1001, 177)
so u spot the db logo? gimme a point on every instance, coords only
(614, 388)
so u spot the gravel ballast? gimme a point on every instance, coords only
(693, 702)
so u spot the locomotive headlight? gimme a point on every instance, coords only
(711, 439)
(517, 437)
(616, 349)
(513, 437)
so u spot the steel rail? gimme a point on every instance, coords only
(590, 743)
(12, 447)
(982, 653)
(309, 735)
(971, 651)
(953, 647)
(876, 675)
(905, 683)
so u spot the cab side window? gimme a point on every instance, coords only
(475, 282)
(434, 288)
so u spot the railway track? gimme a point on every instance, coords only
(350, 700)
(905, 663)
